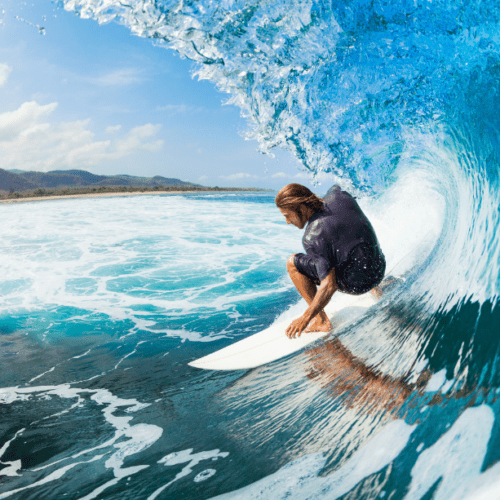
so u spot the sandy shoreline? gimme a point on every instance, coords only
(96, 195)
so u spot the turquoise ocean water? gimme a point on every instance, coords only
(104, 301)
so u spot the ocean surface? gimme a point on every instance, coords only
(105, 301)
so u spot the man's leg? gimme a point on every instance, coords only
(387, 282)
(307, 288)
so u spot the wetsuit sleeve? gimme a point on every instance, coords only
(318, 250)
(321, 265)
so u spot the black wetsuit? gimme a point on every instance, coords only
(342, 237)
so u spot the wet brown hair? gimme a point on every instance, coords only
(292, 196)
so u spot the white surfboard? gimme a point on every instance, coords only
(272, 344)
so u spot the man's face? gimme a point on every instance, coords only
(292, 217)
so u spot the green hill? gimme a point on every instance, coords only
(14, 182)
(18, 180)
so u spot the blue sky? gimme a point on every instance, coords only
(79, 95)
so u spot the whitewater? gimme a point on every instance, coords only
(105, 301)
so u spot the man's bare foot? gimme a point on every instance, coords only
(318, 325)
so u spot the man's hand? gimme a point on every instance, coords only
(315, 310)
(297, 326)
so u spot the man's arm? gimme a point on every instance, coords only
(323, 295)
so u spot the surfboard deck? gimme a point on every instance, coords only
(272, 343)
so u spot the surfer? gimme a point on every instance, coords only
(342, 251)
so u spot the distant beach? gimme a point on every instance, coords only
(124, 193)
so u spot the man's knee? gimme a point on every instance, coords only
(290, 263)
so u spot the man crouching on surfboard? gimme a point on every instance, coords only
(342, 251)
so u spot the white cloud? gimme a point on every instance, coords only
(135, 140)
(5, 70)
(302, 175)
(279, 175)
(28, 141)
(202, 178)
(233, 177)
(110, 129)
(23, 120)
(118, 77)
